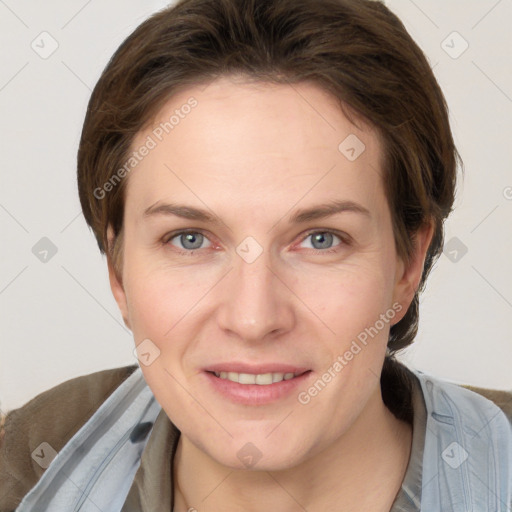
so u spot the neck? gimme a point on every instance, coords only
(362, 470)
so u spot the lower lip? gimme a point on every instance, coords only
(255, 394)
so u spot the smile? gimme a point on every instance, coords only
(254, 388)
(262, 379)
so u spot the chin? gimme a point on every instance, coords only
(258, 455)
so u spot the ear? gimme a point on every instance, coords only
(408, 275)
(116, 284)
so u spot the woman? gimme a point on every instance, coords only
(269, 181)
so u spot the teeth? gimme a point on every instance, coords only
(263, 379)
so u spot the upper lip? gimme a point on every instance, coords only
(256, 369)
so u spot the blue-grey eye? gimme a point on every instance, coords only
(322, 239)
(190, 241)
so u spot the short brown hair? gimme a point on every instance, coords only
(357, 50)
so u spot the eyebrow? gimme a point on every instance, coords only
(301, 216)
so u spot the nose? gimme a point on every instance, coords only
(257, 304)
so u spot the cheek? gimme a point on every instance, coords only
(348, 298)
(156, 302)
(164, 303)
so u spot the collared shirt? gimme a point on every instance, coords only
(121, 459)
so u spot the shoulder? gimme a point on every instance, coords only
(503, 399)
(465, 424)
(398, 382)
(472, 404)
(52, 417)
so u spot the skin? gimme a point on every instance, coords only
(253, 154)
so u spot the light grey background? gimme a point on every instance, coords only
(58, 317)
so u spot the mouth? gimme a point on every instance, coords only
(260, 379)
(263, 385)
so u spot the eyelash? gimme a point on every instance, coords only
(344, 240)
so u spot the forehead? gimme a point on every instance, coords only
(244, 141)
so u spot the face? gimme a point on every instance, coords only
(258, 248)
